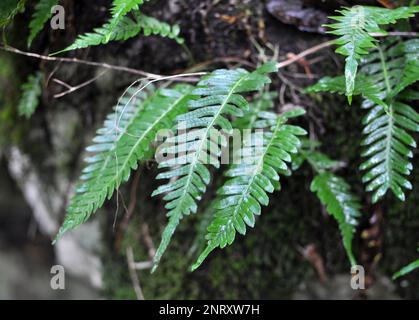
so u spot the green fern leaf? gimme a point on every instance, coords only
(9, 9)
(385, 74)
(387, 143)
(125, 29)
(120, 8)
(41, 15)
(387, 146)
(124, 140)
(31, 91)
(335, 194)
(354, 26)
(251, 180)
(263, 101)
(220, 94)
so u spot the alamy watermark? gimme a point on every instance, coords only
(58, 277)
(57, 18)
(358, 277)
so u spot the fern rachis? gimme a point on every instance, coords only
(124, 29)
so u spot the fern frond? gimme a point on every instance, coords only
(40, 17)
(31, 91)
(407, 269)
(354, 27)
(335, 194)
(220, 95)
(363, 86)
(120, 8)
(241, 197)
(383, 81)
(388, 148)
(387, 143)
(263, 101)
(124, 140)
(125, 29)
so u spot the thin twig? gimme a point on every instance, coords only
(133, 274)
(305, 53)
(148, 75)
(148, 240)
(82, 85)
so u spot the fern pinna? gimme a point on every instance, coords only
(124, 140)
(241, 197)
(220, 96)
(336, 195)
(40, 17)
(333, 191)
(356, 27)
(388, 143)
(121, 8)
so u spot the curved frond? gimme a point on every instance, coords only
(31, 91)
(363, 86)
(354, 26)
(335, 194)
(220, 96)
(40, 17)
(123, 141)
(241, 197)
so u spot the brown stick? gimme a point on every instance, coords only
(72, 89)
(133, 274)
(148, 75)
